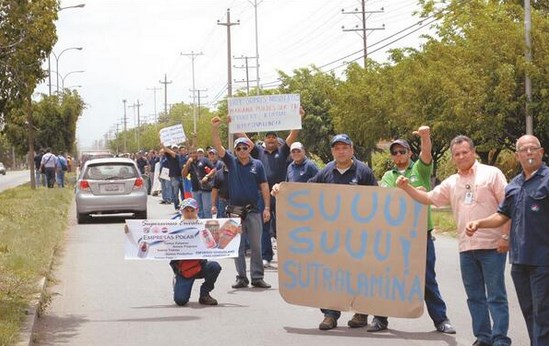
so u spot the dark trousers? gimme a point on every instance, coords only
(183, 286)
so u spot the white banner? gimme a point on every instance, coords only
(182, 239)
(172, 135)
(264, 113)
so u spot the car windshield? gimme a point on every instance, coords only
(110, 172)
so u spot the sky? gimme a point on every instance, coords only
(129, 46)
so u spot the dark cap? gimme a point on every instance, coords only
(341, 138)
(401, 142)
(271, 133)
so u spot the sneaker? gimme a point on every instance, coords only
(446, 328)
(480, 343)
(240, 283)
(260, 284)
(266, 264)
(358, 321)
(328, 323)
(207, 300)
(377, 326)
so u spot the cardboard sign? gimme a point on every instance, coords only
(172, 135)
(349, 247)
(264, 113)
(182, 239)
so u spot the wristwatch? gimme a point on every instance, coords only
(505, 236)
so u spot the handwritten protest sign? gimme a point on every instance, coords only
(182, 239)
(172, 135)
(346, 247)
(264, 113)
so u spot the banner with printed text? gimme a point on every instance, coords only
(349, 247)
(182, 239)
(264, 113)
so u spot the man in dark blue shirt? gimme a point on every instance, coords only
(344, 169)
(202, 173)
(526, 203)
(175, 173)
(301, 169)
(248, 185)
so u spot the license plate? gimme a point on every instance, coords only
(111, 187)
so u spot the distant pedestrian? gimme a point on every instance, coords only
(48, 164)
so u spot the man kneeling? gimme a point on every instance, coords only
(186, 271)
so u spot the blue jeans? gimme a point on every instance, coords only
(166, 190)
(182, 287)
(482, 272)
(252, 228)
(60, 178)
(175, 182)
(435, 305)
(204, 199)
(269, 230)
(221, 205)
(532, 286)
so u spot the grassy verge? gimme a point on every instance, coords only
(443, 221)
(32, 226)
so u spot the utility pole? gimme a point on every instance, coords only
(138, 105)
(198, 105)
(528, 56)
(247, 67)
(154, 90)
(228, 24)
(255, 4)
(363, 29)
(193, 56)
(125, 128)
(165, 82)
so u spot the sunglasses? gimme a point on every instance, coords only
(401, 152)
(240, 148)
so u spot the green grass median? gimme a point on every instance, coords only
(32, 228)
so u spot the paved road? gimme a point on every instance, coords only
(13, 179)
(101, 299)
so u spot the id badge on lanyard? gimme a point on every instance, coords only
(468, 195)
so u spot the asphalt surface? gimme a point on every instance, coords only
(98, 298)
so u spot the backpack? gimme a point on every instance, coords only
(63, 164)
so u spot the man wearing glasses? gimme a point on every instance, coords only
(247, 183)
(475, 192)
(527, 204)
(419, 174)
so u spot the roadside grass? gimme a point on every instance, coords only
(32, 227)
(443, 222)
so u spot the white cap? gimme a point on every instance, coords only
(296, 145)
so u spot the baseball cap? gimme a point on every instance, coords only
(174, 146)
(189, 203)
(212, 150)
(296, 145)
(341, 138)
(401, 142)
(199, 150)
(241, 140)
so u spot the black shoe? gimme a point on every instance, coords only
(328, 323)
(358, 321)
(260, 284)
(207, 300)
(481, 343)
(377, 326)
(240, 283)
(446, 328)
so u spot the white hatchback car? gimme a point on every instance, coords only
(110, 186)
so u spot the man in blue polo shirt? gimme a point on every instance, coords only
(527, 205)
(175, 173)
(301, 169)
(247, 183)
(344, 169)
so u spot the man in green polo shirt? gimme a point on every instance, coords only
(419, 175)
